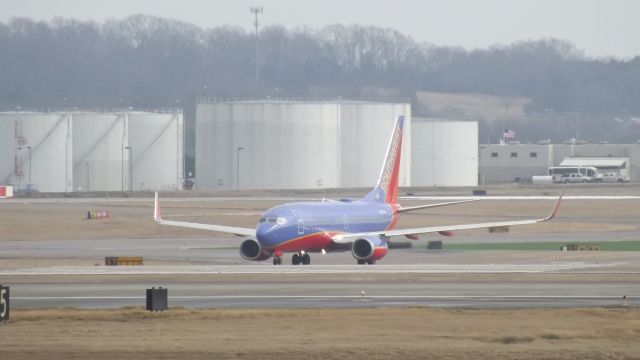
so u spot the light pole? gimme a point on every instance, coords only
(88, 176)
(255, 10)
(122, 170)
(238, 167)
(29, 186)
(130, 167)
(29, 182)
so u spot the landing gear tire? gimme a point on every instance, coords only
(301, 259)
(365, 262)
(277, 261)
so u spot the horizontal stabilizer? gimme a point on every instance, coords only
(428, 206)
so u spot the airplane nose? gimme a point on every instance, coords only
(263, 234)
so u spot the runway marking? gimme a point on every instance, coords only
(313, 198)
(226, 297)
(500, 197)
(311, 269)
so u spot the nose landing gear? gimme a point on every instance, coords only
(277, 257)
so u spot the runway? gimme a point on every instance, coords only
(65, 266)
(266, 268)
(305, 293)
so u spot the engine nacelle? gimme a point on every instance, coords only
(369, 248)
(251, 249)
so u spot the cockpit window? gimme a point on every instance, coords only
(273, 220)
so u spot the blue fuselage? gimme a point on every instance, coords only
(308, 226)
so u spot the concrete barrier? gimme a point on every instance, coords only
(123, 260)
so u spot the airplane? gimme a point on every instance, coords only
(363, 226)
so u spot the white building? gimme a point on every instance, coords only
(273, 144)
(89, 151)
(509, 162)
(444, 152)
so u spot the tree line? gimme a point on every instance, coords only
(150, 62)
(145, 61)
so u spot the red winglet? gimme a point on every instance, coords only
(156, 209)
(555, 208)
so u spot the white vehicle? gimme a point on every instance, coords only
(613, 177)
(574, 178)
(587, 173)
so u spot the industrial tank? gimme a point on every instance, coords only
(444, 153)
(92, 151)
(36, 148)
(279, 144)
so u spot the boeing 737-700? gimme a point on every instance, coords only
(363, 226)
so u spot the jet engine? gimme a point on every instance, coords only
(369, 249)
(251, 249)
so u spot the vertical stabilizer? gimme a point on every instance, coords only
(386, 189)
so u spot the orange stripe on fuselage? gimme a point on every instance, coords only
(311, 242)
(395, 216)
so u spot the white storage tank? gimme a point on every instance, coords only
(7, 148)
(156, 144)
(90, 151)
(99, 141)
(365, 130)
(444, 153)
(37, 147)
(274, 144)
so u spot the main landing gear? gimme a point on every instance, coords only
(301, 258)
(362, 262)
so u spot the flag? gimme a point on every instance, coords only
(508, 134)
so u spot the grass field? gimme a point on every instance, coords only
(543, 246)
(382, 333)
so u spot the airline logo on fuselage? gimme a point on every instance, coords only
(391, 159)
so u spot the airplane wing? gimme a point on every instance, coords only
(350, 237)
(411, 208)
(219, 228)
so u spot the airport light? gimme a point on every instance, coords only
(238, 167)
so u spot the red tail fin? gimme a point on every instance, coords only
(386, 190)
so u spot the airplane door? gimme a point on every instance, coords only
(345, 222)
(300, 222)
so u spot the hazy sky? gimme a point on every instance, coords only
(600, 28)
